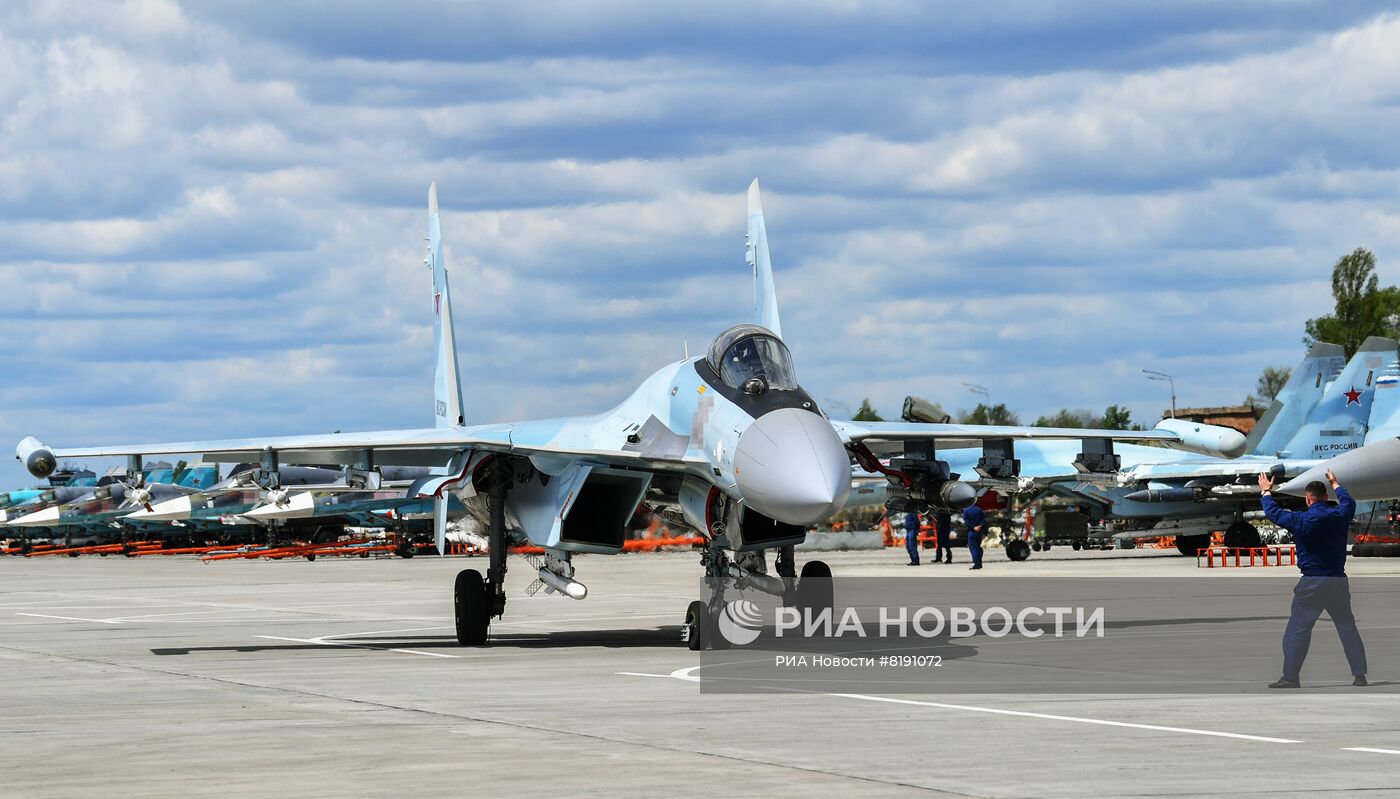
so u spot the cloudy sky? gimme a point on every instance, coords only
(212, 214)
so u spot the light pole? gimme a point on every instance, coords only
(1166, 378)
(976, 389)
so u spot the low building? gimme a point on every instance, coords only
(1239, 417)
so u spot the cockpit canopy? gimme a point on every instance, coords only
(745, 352)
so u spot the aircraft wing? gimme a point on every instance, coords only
(1171, 433)
(430, 446)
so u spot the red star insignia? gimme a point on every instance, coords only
(1352, 396)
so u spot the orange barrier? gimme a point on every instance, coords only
(102, 549)
(177, 551)
(1261, 554)
(653, 544)
(291, 551)
(1377, 538)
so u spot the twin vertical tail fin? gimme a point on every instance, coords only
(765, 299)
(447, 383)
(1299, 395)
(1385, 408)
(1340, 419)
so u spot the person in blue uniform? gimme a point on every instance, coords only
(1320, 535)
(911, 537)
(976, 522)
(943, 531)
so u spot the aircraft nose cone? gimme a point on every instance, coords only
(790, 466)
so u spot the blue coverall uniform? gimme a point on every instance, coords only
(976, 522)
(911, 537)
(1320, 534)
(943, 528)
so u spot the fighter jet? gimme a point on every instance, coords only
(730, 437)
(98, 511)
(1324, 407)
(1370, 472)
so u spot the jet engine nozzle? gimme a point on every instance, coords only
(790, 466)
(36, 457)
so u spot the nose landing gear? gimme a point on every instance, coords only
(812, 591)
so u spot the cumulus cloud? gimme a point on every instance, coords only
(214, 213)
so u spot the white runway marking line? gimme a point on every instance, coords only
(68, 618)
(687, 674)
(1076, 719)
(1372, 750)
(324, 641)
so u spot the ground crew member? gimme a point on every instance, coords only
(976, 522)
(1320, 535)
(943, 531)
(911, 537)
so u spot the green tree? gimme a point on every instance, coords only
(867, 413)
(1362, 308)
(989, 414)
(1270, 383)
(1116, 417)
(1066, 417)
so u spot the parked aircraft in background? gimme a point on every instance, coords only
(1324, 408)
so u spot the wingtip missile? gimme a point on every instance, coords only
(1204, 438)
(37, 458)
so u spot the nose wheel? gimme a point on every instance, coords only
(814, 591)
(811, 591)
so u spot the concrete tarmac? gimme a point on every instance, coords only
(166, 676)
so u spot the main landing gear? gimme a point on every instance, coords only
(813, 590)
(477, 599)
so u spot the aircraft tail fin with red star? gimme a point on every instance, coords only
(1340, 420)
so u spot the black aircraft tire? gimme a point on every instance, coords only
(1242, 535)
(1076, 545)
(1018, 551)
(471, 608)
(814, 589)
(1188, 545)
(697, 622)
(714, 639)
